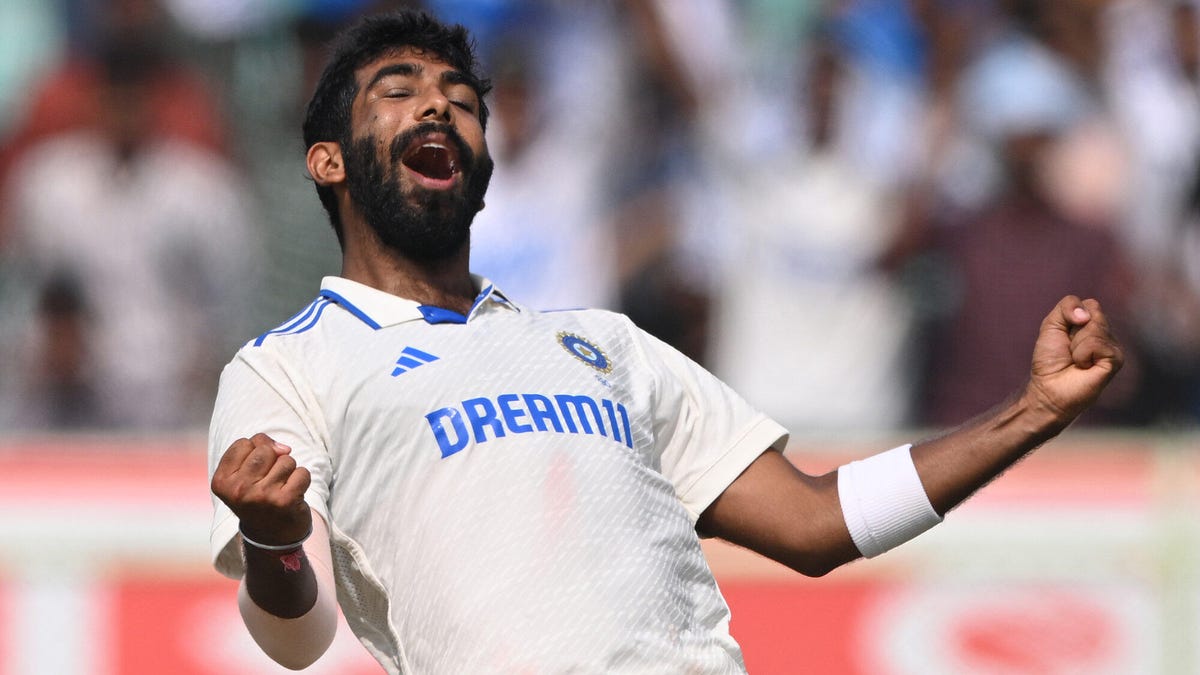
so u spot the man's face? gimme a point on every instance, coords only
(417, 165)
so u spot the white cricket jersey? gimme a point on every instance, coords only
(507, 492)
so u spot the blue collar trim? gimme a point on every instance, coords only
(349, 307)
(440, 315)
(435, 315)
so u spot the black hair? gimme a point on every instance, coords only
(328, 115)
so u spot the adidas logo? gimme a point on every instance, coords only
(411, 358)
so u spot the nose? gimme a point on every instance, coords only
(435, 107)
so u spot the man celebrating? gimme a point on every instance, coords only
(489, 489)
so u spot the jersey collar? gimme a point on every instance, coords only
(379, 309)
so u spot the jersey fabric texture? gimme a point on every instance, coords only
(511, 491)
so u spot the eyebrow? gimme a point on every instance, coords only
(409, 69)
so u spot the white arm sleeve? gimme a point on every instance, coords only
(297, 643)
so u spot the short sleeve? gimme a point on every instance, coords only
(258, 393)
(705, 433)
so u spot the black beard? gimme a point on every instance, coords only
(426, 225)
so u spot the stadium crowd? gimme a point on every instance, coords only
(816, 200)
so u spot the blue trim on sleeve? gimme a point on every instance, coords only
(349, 307)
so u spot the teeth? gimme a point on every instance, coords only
(435, 146)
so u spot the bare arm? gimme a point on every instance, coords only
(286, 597)
(796, 519)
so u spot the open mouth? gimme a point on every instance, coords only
(431, 159)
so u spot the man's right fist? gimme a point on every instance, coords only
(259, 481)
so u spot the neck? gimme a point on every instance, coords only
(442, 283)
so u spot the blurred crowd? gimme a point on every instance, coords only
(856, 212)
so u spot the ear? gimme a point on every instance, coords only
(325, 163)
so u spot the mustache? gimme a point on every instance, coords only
(466, 158)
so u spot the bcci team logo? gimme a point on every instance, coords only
(585, 351)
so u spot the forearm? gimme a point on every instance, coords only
(284, 585)
(955, 465)
(289, 603)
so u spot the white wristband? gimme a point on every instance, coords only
(883, 501)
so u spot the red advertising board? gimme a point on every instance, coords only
(193, 624)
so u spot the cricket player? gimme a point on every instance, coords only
(484, 488)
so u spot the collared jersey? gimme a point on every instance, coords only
(507, 492)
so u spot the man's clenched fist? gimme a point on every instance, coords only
(259, 481)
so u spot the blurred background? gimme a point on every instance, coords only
(855, 212)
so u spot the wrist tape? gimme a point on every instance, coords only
(883, 501)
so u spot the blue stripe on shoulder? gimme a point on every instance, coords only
(290, 323)
(314, 307)
(313, 321)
